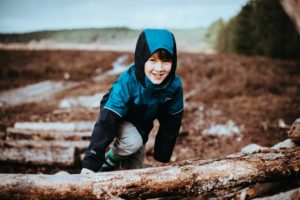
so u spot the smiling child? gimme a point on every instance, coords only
(148, 90)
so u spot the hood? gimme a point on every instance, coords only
(149, 41)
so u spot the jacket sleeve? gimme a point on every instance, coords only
(104, 131)
(106, 126)
(170, 122)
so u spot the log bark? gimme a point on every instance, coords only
(258, 189)
(81, 146)
(47, 134)
(41, 152)
(58, 126)
(289, 195)
(254, 190)
(61, 156)
(182, 179)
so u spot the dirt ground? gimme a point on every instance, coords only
(253, 92)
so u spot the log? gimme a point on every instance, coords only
(38, 155)
(249, 192)
(258, 189)
(57, 126)
(47, 134)
(289, 195)
(81, 146)
(181, 179)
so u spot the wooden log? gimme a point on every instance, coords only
(289, 195)
(258, 189)
(50, 144)
(249, 192)
(181, 179)
(38, 155)
(47, 134)
(57, 126)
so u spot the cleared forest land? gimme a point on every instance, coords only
(230, 102)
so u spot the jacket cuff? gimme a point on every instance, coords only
(92, 163)
(162, 158)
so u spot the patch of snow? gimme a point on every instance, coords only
(118, 65)
(172, 172)
(214, 111)
(226, 180)
(221, 169)
(222, 129)
(251, 148)
(236, 155)
(217, 166)
(62, 173)
(273, 156)
(35, 92)
(98, 70)
(67, 76)
(282, 124)
(118, 68)
(288, 143)
(100, 77)
(239, 138)
(84, 101)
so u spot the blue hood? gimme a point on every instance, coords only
(149, 41)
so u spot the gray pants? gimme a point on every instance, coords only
(128, 147)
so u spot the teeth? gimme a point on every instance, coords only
(158, 76)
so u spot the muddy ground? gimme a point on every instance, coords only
(252, 92)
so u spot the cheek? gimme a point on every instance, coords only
(168, 68)
(148, 67)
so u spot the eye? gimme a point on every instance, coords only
(167, 63)
(151, 59)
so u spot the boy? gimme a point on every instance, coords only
(148, 90)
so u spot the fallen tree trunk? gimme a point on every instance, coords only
(42, 152)
(81, 146)
(47, 134)
(40, 156)
(58, 126)
(259, 189)
(289, 195)
(181, 179)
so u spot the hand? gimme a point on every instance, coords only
(86, 171)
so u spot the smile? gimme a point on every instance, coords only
(158, 74)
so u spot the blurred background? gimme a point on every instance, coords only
(234, 26)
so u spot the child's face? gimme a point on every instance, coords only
(157, 70)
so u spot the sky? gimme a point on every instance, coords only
(34, 15)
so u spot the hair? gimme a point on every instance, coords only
(164, 55)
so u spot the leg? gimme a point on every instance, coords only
(127, 143)
(136, 160)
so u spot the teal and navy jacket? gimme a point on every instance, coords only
(135, 99)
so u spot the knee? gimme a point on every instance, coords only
(132, 144)
(129, 141)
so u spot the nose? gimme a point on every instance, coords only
(159, 66)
